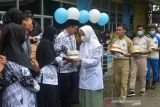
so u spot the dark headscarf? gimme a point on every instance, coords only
(2, 29)
(13, 15)
(45, 53)
(49, 33)
(14, 38)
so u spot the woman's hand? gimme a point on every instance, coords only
(35, 64)
(77, 60)
(3, 61)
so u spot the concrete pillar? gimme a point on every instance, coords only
(139, 13)
(17, 4)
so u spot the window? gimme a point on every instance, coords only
(156, 8)
(113, 6)
(112, 27)
(96, 3)
(119, 8)
(112, 17)
(105, 4)
(119, 18)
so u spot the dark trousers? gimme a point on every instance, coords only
(75, 87)
(65, 89)
(159, 68)
(69, 88)
(1, 92)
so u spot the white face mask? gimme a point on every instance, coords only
(83, 38)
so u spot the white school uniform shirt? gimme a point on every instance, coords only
(126, 45)
(91, 75)
(154, 54)
(143, 42)
(48, 75)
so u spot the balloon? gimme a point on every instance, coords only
(84, 16)
(94, 15)
(61, 15)
(73, 13)
(104, 18)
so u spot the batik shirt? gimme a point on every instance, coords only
(69, 42)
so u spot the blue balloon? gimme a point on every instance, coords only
(61, 15)
(104, 18)
(84, 16)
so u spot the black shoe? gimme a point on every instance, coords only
(142, 93)
(147, 85)
(153, 85)
(131, 93)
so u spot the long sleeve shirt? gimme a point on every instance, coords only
(68, 41)
(91, 76)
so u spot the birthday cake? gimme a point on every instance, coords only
(116, 48)
(136, 49)
(73, 54)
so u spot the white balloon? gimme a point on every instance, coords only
(73, 13)
(94, 15)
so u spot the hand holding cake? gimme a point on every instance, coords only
(72, 56)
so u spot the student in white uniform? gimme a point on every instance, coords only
(121, 63)
(158, 36)
(91, 76)
(153, 58)
(139, 63)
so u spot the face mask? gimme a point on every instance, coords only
(83, 38)
(158, 29)
(140, 33)
(152, 33)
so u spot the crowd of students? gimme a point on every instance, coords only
(126, 64)
(46, 77)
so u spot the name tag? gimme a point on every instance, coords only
(48, 75)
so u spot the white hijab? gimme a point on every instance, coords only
(87, 47)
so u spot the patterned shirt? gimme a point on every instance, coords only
(68, 41)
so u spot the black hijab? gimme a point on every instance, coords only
(2, 33)
(14, 38)
(45, 53)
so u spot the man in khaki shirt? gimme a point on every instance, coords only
(139, 62)
(121, 63)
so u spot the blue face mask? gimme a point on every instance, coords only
(140, 33)
(152, 33)
(158, 29)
